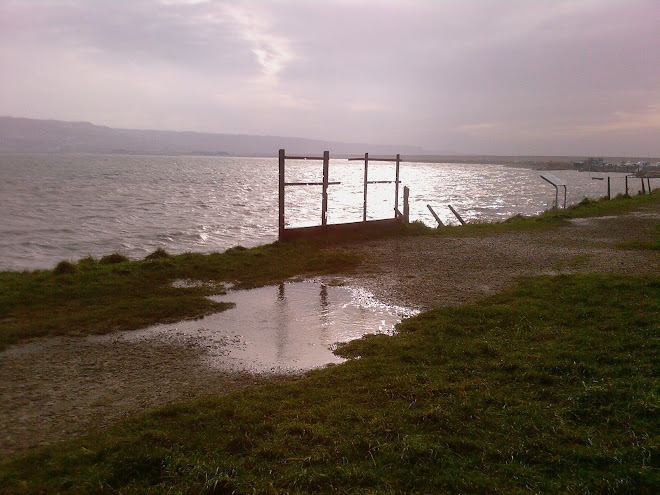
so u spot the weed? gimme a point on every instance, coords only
(64, 267)
(113, 259)
(159, 253)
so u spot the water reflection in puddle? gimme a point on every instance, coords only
(290, 327)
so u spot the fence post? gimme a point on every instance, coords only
(406, 208)
(281, 216)
(396, 185)
(437, 218)
(626, 185)
(643, 186)
(609, 191)
(364, 207)
(456, 214)
(324, 205)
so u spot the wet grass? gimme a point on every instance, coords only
(551, 387)
(113, 293)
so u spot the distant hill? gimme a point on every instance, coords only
(19, 135)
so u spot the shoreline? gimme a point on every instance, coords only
(86, 390)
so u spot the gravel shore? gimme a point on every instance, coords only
(56, 388)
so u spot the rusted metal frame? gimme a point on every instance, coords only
(283, 183)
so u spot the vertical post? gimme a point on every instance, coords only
(406, 208)
(364, 207)
(648, 182)
(643, 186)
(609, 190)
(324, 204)
(396, 185)
(626, 185)
(281, 217)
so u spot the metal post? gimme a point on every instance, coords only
(281, 219)
(396, 185)
(626, 185)
(324, 205)
(643, 186)
(364, 207)
(406, 207)
(648, 181)
(609, 191)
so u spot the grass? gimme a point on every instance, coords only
(551, 387)
(113, 293)
(547, 220)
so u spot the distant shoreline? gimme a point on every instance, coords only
(523, 161)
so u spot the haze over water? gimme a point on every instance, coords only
(55, 207)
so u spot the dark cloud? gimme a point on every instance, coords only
(473, 76)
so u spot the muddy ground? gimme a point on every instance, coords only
(56, 388)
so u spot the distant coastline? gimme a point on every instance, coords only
(22, 136)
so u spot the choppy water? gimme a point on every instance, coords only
(55, 207)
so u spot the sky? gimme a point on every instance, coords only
(541, 77)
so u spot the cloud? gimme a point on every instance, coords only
(272, 52)
(474, 76)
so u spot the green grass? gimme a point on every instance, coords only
(551, 387)
(91, 297)
(547, 220)
(652, 243)
(113, 293)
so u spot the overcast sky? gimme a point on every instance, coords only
(470, 76)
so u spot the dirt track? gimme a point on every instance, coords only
(56, 388)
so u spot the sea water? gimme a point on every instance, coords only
(57, 206)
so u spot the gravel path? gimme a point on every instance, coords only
(59, 387)
(425, 272)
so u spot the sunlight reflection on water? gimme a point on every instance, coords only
(290, 327)
(56, 207)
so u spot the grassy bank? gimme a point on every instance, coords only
(113, 293)
(549, 219)
(551, 387)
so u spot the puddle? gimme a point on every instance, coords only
(285, 328)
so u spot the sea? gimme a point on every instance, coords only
(57, 207)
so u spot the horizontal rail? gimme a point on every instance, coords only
(304, 157)
(310, 183)
(375, 159)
